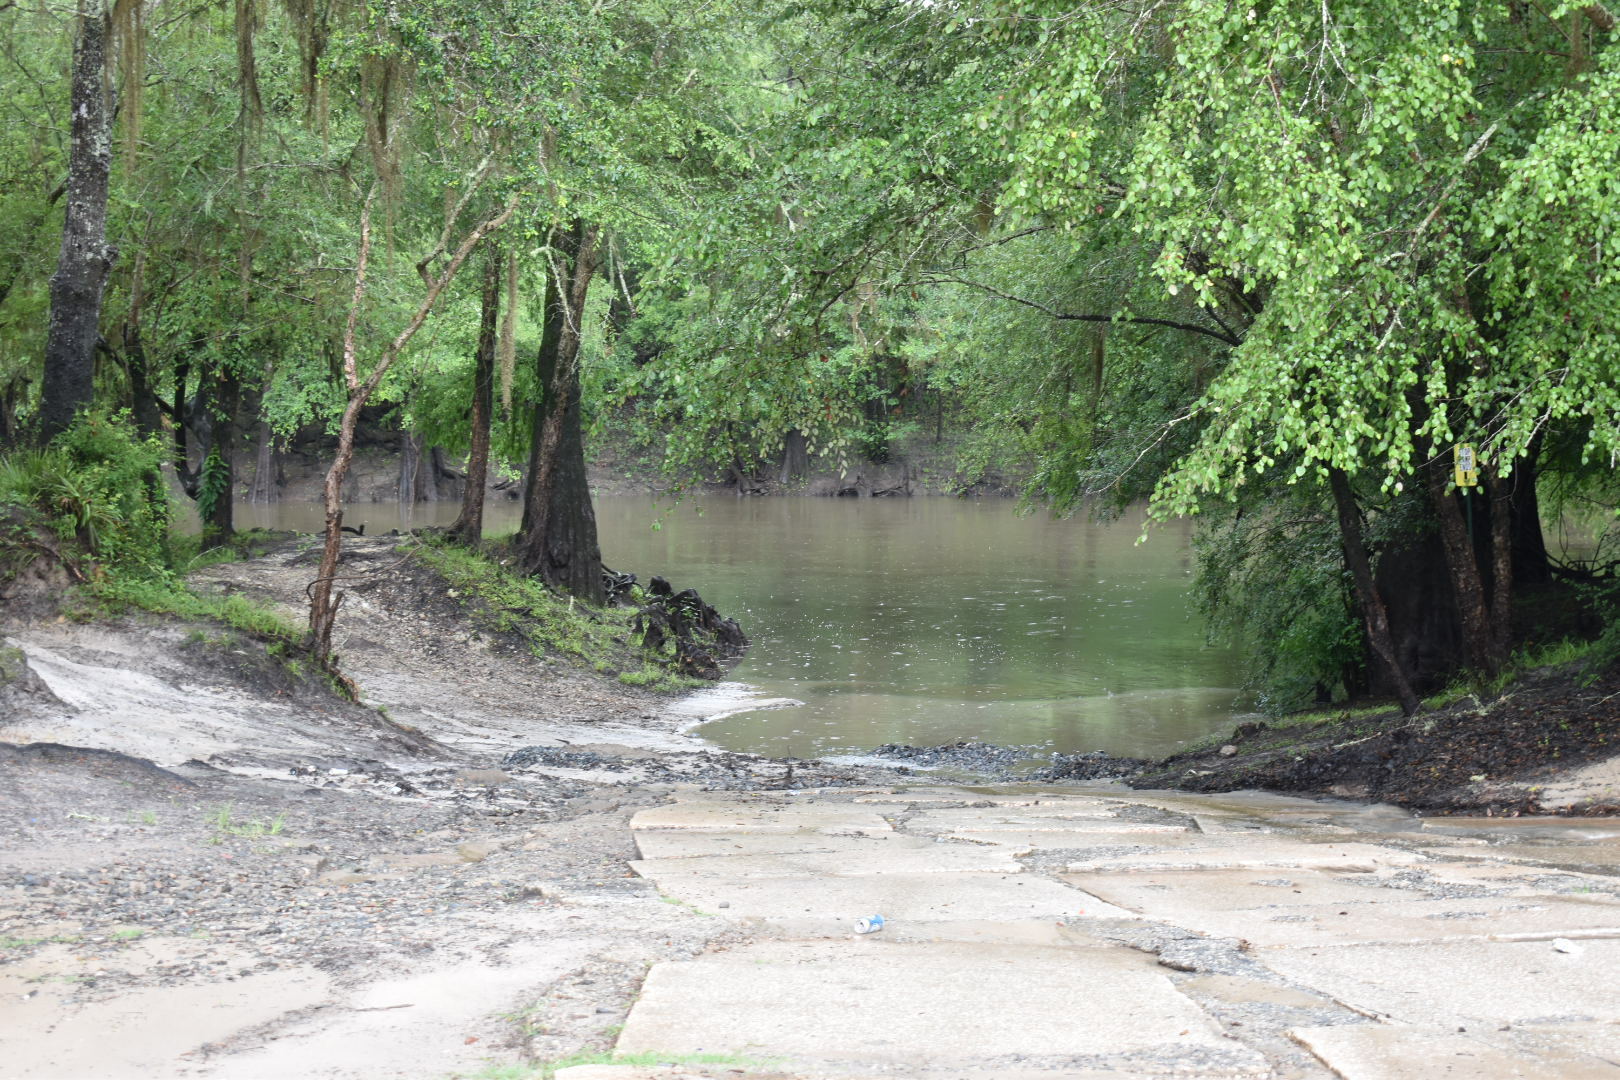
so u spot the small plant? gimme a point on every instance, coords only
(225, 824)
(686, 906)
(503, 1072)
(649, 1059)
(7, 942)
(214, 484)
(644, 677)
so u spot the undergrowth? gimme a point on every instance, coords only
(95, 503)
(552, 625)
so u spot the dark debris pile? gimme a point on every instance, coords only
(704, 641)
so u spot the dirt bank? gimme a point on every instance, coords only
(1549, 745)
(917, 464)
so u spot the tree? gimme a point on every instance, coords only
(86, 258)
(469, 524)
(557, 541)
(1341, 176)
(323, 606)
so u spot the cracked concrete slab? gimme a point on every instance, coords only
(1068, 839)
(1311, 908)
(1402, 1052)
(1462, 984)
(850, 862)
(917, 1005)
(1600, 855)
(697, 844)
(1418, 940)
(950, 797)
(1043, 816)
(1481, 919)
(1240, 990)
(897, 897)
(1166, 894)
(765, 817)
(1260, 852)
(1048, 933)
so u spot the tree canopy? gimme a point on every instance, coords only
(1265, 263)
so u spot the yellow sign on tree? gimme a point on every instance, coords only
(1467, 462)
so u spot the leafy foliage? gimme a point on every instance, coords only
(96, 501)
(98, 493)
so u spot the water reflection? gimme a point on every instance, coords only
(920, 620)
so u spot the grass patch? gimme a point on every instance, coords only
(686, 905)
(1559, 654)
(7, 942)
(225, 824)
(596, 639)
(170, 596)
(190, 555)
(502, 1072)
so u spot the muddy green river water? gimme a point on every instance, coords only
(917, 620)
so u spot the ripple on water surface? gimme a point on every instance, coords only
(926, 620)
(919, 620)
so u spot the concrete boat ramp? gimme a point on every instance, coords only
(1032, 934)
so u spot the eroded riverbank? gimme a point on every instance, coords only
(207, 851)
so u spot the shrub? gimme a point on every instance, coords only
(98, 492)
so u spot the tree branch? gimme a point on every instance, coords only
(1011, 237)
(351, 376)
(1222, 335)
(1601, 16)
(479, 175)
(435, 287)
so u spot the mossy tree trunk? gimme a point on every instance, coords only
(469, 525)
(557, 541)
(81, 270)
(1367, 596)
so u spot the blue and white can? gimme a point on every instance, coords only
(869, 925)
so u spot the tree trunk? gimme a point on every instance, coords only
(440, 478)
(795, 459)
(81, 271)
(9, 435)
(410, 465)
(469, 525)
(264, 468)
(323, 608)
(177, 419)
(218, 480)
(557, 540)
(1372, 605)
(1501, 488)
(142, 394)
(143, 401)
(1479, 637)
(1530, 564)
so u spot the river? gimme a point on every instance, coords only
(917, 620)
